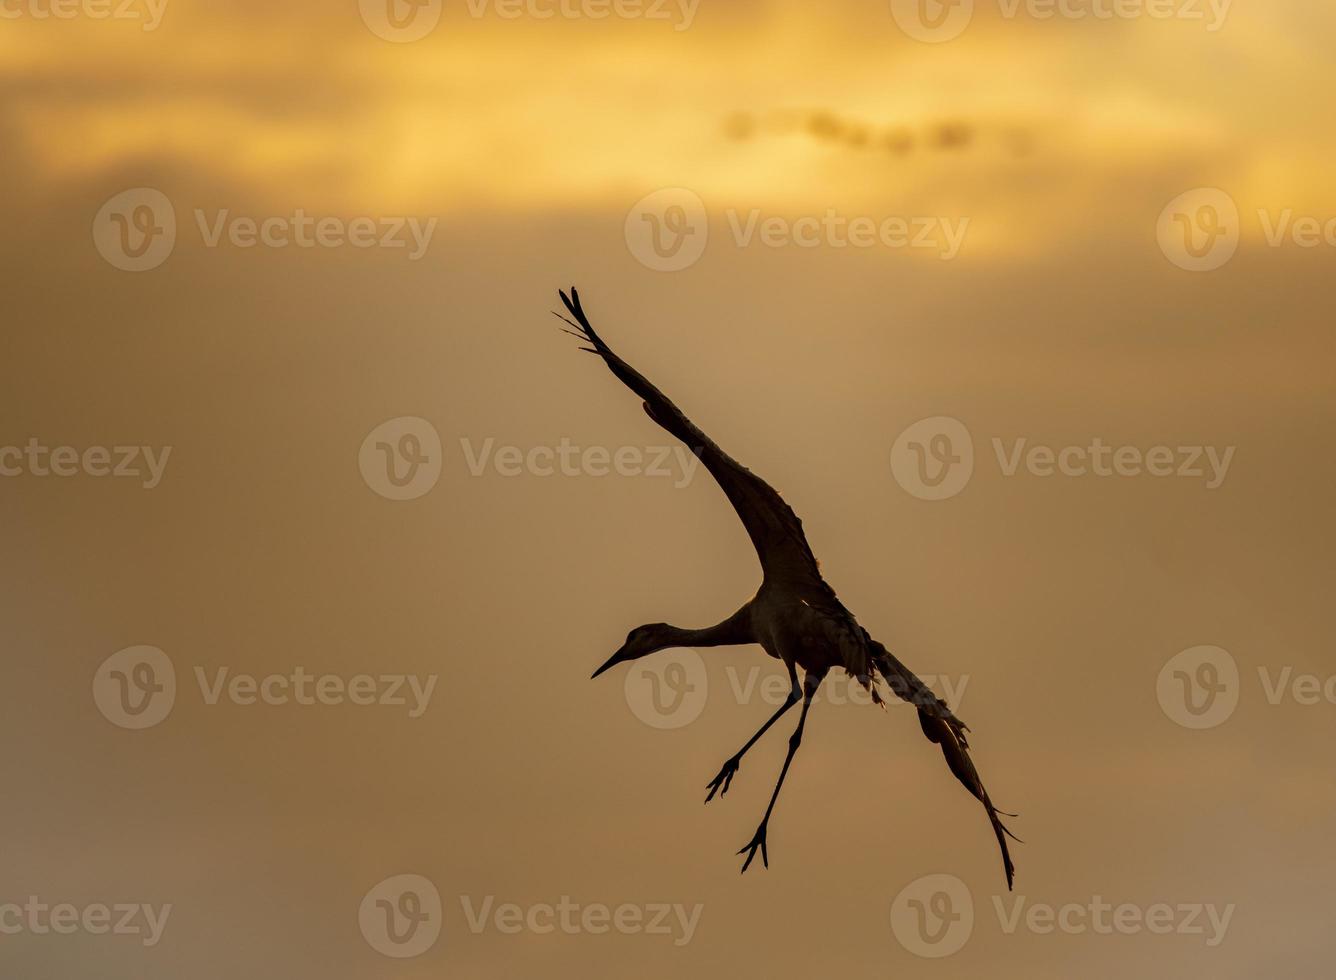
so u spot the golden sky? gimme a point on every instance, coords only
(305, 97)
(519, 147)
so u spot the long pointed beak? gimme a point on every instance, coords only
(612, 661)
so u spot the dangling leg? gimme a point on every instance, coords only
(730, 768)
(810, 683)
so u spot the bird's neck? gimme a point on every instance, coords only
(735, 630)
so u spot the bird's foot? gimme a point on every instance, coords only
(721, 782)
(757, 843)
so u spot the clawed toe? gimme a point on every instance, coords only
(721, 782)
(757, 843)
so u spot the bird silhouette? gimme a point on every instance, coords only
(795, 615)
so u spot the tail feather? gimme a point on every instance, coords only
(905, 685)
(962, 766)
(945, 729)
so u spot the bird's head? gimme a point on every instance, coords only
(640, 642)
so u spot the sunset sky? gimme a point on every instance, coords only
(504, 154)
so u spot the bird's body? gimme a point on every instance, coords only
(810, 628)
(795, 616)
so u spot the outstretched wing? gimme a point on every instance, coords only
(946, 730)
(771, 524)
